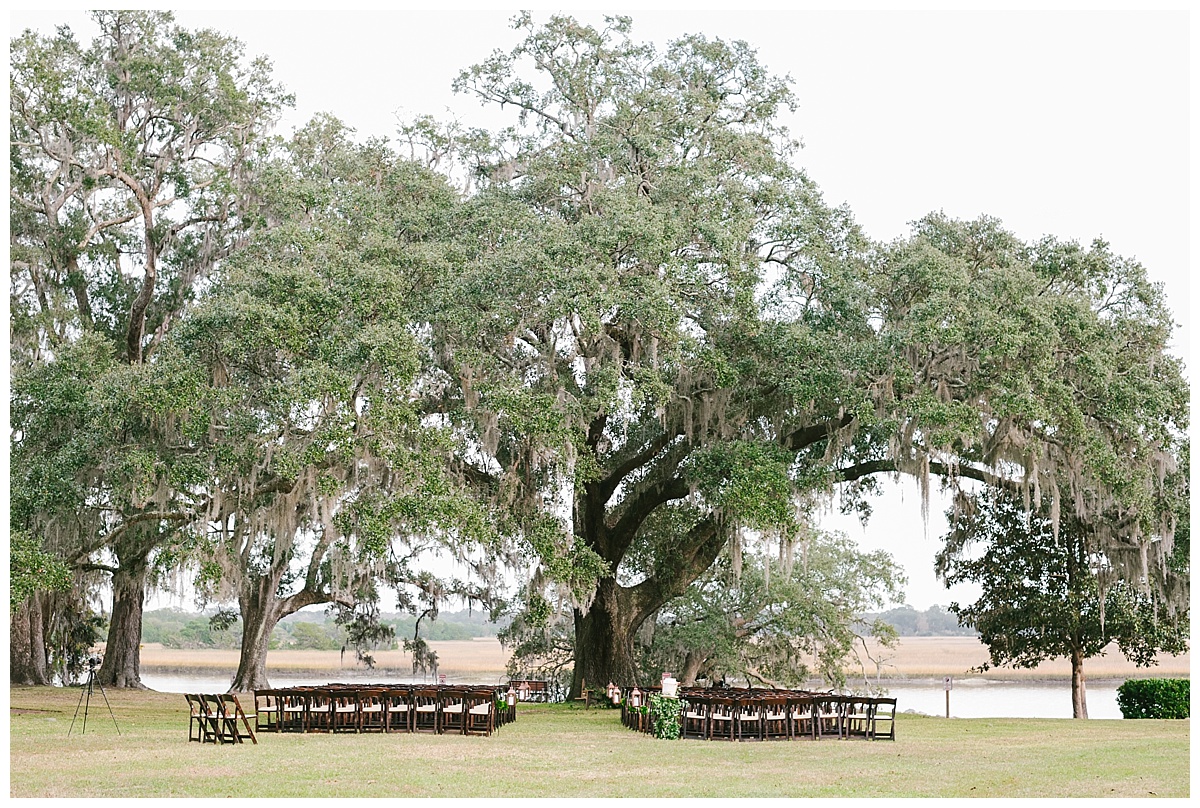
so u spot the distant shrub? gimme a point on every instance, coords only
(1155, 698)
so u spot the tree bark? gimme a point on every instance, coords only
(28, 663)
(122, 651)
(260, 614)
(604, 639)
(1078, 687)
(692, 664)
(604, 636)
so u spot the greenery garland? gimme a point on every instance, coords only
(665, 716)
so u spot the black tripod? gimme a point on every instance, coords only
(87, 691)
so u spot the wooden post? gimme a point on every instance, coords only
(949, 681)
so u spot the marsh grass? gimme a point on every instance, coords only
(484, 659)
(567, 751)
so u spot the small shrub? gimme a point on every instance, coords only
(1155, 698)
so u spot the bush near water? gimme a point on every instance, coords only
(1155, 698)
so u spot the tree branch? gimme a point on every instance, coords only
(640, 508)
(608, 485)
(806, 436)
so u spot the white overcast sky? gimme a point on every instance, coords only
(1072, 122)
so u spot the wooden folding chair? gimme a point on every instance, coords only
(856, 717)
(828, 714)
(320, 711)
(371, 715)
(453, 708)
(345, 711)
(802, 716)
(479, 716)
(293, 711)
(234, 719)
(749, 718)
(214, 718)
(398, 704)
(197, 720)
(883, 710)
(266, 710)
(776, 717)
(721, 722)
(426, 705)
(695, 717)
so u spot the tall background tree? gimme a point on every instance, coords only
(327, 481)
(666, 335)
(654, 185)
(1048, 591)
(130, 162)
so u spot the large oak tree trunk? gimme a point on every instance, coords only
(260, 614)
(604, 636)
(604, 640)
(28, 662)
(261, 611)
(1078, 686)
(122, 652)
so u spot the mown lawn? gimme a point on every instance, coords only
(566, 751)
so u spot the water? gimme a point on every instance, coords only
(970, 698)
(192, 683)
(991, 698)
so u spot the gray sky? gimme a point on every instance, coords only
(1071, 123)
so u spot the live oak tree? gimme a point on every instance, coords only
(98, 460)
(631, 307)
(663, 322)
(128, 166)
(1049, 592)
(33, 573)
(326, 482)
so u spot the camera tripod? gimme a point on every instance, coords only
(87, 692)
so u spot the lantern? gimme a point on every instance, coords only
(510, 697)
(635, 698)
(614, 693)
(524, 691)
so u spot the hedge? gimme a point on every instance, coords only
(1155, 698)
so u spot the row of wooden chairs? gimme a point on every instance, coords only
(787, 716)
(738, 714)
(467, 710)
(218, 718)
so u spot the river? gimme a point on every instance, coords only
(969, 698)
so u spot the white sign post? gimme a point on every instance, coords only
(949, 682)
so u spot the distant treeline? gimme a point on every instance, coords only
(304, 630)
(933, 622)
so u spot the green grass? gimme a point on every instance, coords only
(566, 751)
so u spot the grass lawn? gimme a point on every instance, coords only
(566, 751)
